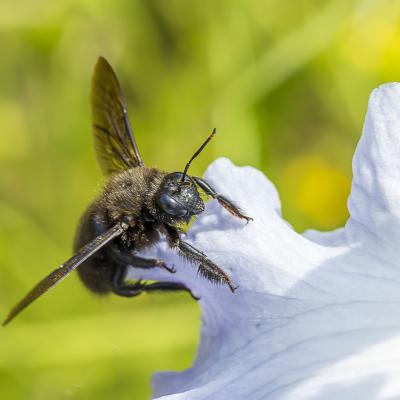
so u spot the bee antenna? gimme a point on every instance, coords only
(199, 150)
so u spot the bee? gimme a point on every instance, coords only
(136, 206)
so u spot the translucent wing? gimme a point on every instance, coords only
(65, 269)
(115, 144)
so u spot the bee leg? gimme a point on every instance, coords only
(139, 262)
(128, 257)
(169, 286)
(207, 268)
(223, 201)
(121, 287)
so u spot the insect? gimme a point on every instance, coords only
(137, 204)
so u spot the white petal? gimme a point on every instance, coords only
(316, 316)
(374, 203)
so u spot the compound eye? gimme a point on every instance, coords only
(171, 206)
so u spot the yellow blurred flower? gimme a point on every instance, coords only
(316, 189)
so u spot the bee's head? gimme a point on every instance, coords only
(177, 199)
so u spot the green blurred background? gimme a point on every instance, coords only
(285, 82)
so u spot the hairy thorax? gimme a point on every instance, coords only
(131, 193)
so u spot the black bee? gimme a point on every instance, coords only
(137, 204)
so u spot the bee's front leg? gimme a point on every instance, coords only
(207, 268)
(226, 203)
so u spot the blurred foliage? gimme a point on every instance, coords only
(285, 83)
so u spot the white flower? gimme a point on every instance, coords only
(316, 316)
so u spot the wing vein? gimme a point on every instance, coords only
(115, 144)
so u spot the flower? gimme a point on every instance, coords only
(316, 315)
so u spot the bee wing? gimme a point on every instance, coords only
(115, 144)
(65, 269)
